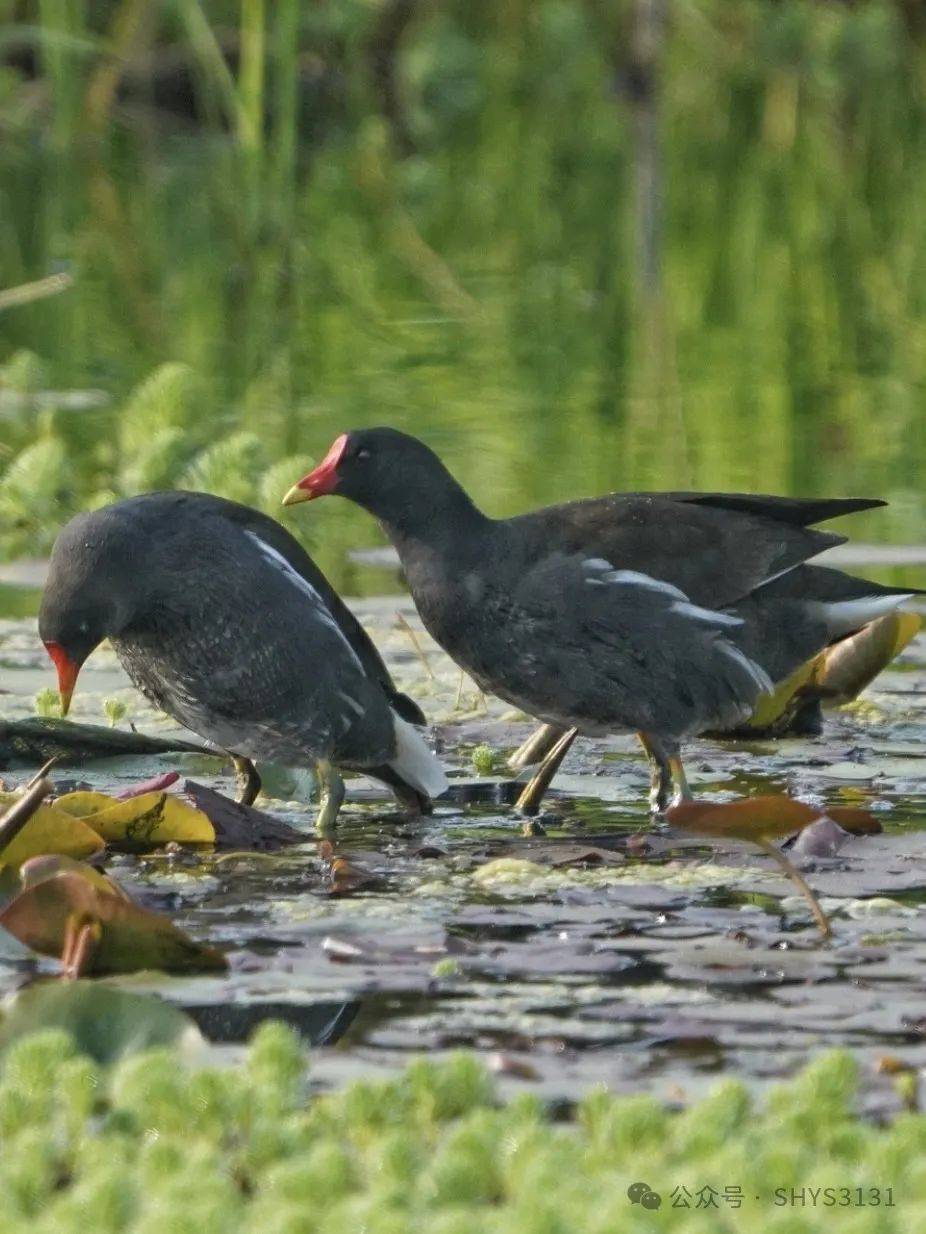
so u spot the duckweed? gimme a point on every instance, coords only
(148, 1146)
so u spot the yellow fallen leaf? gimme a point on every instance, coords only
(855, 662)
(152, 818)
(86, 802)
(51, 830)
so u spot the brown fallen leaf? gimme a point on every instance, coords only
(858, 822)
(94, 931)
(345, 876)
(748, 818)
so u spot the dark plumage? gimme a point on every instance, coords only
(664, 613)
(223, 621)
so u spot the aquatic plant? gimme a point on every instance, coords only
(115, 709)
(146, 1145)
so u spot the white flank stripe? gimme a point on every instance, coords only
(755, 671)
(351, 702)
(708, 615)
(321, 608)
(415, 762)
(633, 578)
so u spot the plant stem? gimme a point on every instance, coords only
(800, 883)
(19, 813)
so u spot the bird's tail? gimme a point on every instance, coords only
(415, 763)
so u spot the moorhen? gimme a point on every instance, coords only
(223, 620)
(667, 614)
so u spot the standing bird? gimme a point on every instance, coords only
(223, 620)
(665, 614)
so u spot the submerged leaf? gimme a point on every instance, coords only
(129, 938)
(750, 818)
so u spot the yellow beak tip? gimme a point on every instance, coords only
(296, 495)
(65, 700)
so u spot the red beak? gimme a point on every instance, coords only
(321, 481)
(67, 673)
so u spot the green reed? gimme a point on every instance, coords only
(485, 290)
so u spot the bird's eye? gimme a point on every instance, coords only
(363, 453)
(83, 627)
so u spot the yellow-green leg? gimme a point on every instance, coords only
(530, 799)
(330, 797)
(536, 748)
(247, 780)
(668, 782)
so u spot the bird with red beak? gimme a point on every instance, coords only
(226, 624)
(666, 614)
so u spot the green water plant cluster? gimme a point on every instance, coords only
(160, 439)
(149, 1146)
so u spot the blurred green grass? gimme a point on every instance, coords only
(572, 259)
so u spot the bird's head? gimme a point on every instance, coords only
(389, 473)
(88, 595)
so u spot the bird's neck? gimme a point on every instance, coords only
(440, 521)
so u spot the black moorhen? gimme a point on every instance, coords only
(223, 621)
(668, 614)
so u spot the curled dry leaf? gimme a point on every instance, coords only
(155, 785)
(854, 662)
(116, 935)
(749, 818)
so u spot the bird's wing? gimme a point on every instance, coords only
(715, 556)
(798, 511)
(603, 632)
(279, 539)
